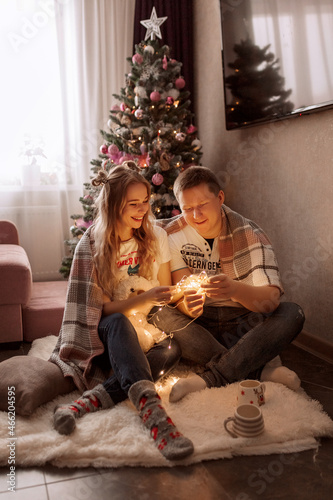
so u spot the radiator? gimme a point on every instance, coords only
(40, 235)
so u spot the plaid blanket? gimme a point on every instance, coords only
(246, 253)
(78, 342)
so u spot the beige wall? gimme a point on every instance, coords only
(280, 175)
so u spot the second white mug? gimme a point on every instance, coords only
(251, 392)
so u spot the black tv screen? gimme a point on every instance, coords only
(277, 59)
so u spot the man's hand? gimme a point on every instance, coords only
(263, 299)
(193, 303)
(220, 287)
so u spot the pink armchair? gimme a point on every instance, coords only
(28, 310)
(15, 283)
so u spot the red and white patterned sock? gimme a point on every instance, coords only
(169, 441)
(64, 418)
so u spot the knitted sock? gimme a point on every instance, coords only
(282, 375)
(65, 415)
(185, 386)
(170, 442)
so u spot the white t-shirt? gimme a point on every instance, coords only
(128, 261)
(197, 256)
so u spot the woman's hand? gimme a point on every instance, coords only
(159, 295)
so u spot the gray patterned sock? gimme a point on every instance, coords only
(64, 417)
(170, 442)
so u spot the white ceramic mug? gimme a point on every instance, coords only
(246, 422)
(251, 392)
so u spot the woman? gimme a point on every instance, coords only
(96, 334)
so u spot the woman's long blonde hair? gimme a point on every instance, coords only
(109, 205)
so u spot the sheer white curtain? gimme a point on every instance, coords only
(94, 38)
(62, 61)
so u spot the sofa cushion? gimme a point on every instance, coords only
(35, 382)
(16, 278)
(42, 316)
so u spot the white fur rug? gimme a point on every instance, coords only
(116, 437)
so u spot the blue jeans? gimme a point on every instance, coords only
(232, 343)
(129, 363)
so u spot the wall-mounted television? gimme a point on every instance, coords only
(277, 59)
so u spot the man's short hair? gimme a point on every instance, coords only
(192, 177)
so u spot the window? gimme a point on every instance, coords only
(30, 96)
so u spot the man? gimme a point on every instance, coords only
(238, 322)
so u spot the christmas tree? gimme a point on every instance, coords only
(152, 125)
(256, 85)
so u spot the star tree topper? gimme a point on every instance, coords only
(153, 25)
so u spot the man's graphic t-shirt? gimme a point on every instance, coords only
(128, 262)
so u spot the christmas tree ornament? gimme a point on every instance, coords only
(191, 129)
(138, 114)
(155, 96)
(149, 49)
(104, 164)
(157, 179)
(170, 100)
(165, 161)
(103, 149)
(137, 59)
(174, 93)
(122, 106)
(180, 83)
(136, 100)
(143, 148)
(180, 136)
(196, 144)
(110, 123)
(115, 107)
(175, 212)
(165, 63)
(113, 149)
(142, 160)
(153, 25)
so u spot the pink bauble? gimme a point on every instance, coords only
(103, 149)
(113, 149)
(174, 212)
(191, 129)
(165, 63)
(180, 83)
(82, 223)
(170, 100)
(157, 179)
(155, 96)
(137, 58)
(115, 107)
